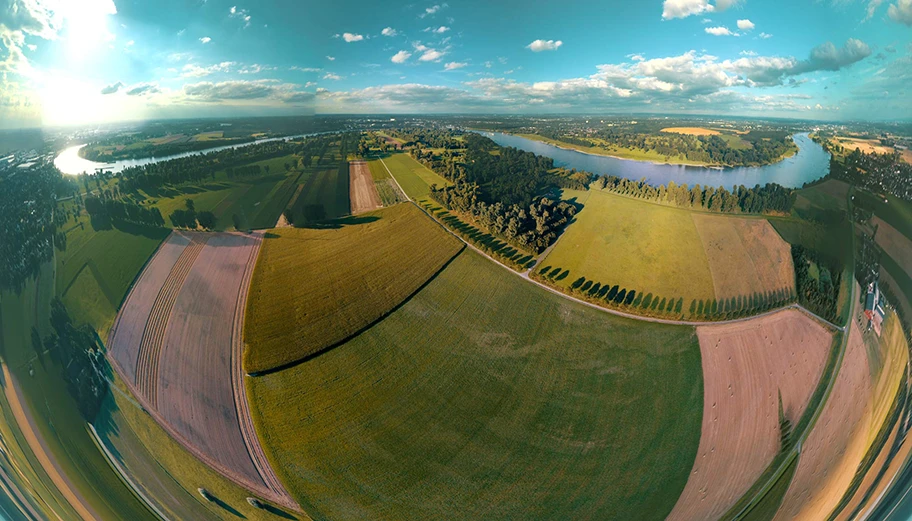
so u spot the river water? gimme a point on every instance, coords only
(69, 161)
(810, 163)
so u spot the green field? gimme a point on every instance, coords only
(55, 412)
(378, 171)
(617, 151)
(324, 196)
(645, 247)
(896, 212)
(486, 397)
(97, 268)
(414, 178)
(313, 288)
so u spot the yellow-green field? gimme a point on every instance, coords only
(414, 178)
(636, 245)
(313, 288)
(486, 397)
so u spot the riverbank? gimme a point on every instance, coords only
(642, 156)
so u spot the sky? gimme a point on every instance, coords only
(73, 62)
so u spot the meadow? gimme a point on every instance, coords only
(414, 178)
(639, 246)
(484, 396)
(316, 287)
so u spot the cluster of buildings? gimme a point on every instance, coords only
(874, 308)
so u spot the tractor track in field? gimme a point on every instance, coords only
(154, 333)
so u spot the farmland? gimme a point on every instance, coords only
(176, 343)
(692, 131)
(484, 396)
(414, 178)
(314, 288)
(784, 354)
(363, 192)
(639, 246)
(746, 256)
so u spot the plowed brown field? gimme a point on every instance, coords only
(177, 343)
(745, 366)
(362, 190)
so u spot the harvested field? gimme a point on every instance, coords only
(867, 146)
(895, 244)
(486, 397)
(692, 131)
(177, 345)
(363, 192)
(314, 288)
(832, 452)
(637, 245)
(746, 256)
(745, 367)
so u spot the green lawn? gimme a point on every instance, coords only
(486, 397)
(414, 178)
(645, 247)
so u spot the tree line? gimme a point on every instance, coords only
(759, 199)
(819, 293)
(103, 210)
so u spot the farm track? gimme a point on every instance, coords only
(254, 447)
(154, 333)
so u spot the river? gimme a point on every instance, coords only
(69, 161)
(810, 163)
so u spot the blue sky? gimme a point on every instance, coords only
(79, 61)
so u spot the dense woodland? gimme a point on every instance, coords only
(759, 199)
(818, 280)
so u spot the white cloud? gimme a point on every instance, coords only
(901, 12)
(306, 69)
(442, 29)
(331, 58)
(544, 45)
(872, 8)
(205, 39)
(195, 71)
(746, 25)
(245, 92)
(451, 66)
(747, 53)
(431, 55)
(350, 37)
(389, 31)
(719, 31)
(130, 43)
(765, 36)
(111, 89)
(434, 9)
(684, 8)
(241, 14)
(401, 57)
(331, 76)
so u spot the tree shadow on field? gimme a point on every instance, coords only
(227, 507)
(278, 512)
(340, 223)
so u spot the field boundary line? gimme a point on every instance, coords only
(248, 429)
(407, 197)
(123, 474)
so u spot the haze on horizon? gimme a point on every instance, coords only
(65, 62)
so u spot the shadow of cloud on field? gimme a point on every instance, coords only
(340, 223)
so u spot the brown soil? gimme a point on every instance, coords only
(362, 191)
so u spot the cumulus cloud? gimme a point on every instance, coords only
(451, 66)
(389, 31)
(332, 76)
(143, 89)
(205, 39)
(401, 57)
(544, 45)
(684, 8)
(350, 37)
(434, 9)
(241, 14)
(245, 91)
(111, 89)
(431, 55)
(719, 31)
(192, 70)
(746, 25)
(901, 12)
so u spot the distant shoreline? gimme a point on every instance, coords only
(565, 146)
